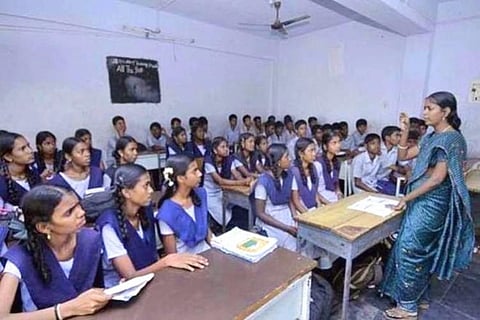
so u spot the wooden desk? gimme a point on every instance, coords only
(239, 196)
(152, 160)
(346, 232)
(277, 287)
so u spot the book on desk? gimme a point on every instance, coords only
(244, 244)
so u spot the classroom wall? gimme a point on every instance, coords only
(342, 73)
(455, 61)
(58, 80)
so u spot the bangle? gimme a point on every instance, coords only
(402, 147)
(58, 315)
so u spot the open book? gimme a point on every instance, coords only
(124, 291)
(243, 244)
(375, 205)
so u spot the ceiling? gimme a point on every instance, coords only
(229, 13)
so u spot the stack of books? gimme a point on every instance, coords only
(243, 244)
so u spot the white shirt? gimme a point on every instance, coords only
(81, 186)
(366, 169)
(358, 139)
(181, 246)
(112, 141)
(276, 139)
(387, 159)
(232, 135)
(160, 141)
(347, 143)
(291, 148)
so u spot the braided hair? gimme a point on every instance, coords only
(249, 163)
(326, 138)
(275, 153)
(39, 139)
(177, 165)
(38, 206)
(225, 163)
(7, 143)
(126, 177)
(300, 146)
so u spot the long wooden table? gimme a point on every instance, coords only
(346, 232)
(276, 287)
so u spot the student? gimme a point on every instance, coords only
(47, 157)
(218, 173)
(305, 194)
(261, 155)
(272, 199)
(289, 128)
(328, 172)
(232, 132)
(317, 134)
(347, 141)
(156, 139)
(96, 155)
(126, 151)
(365, 165)
(359, 135)
(269, 129)
(311, 122)
(57, 267)
(388, 160)
(120, 126)
(16, 175)
(271, 118)
(203, 121)
(413, 141)
(301, 130)
(183, 213)
(246, 163)
(178, 144)
(77, 174)
(258, 126)
(198, 144)
(278, 136)
(128, 231)
(247, 124)
(174, 123)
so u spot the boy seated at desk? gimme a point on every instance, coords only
(365, 165)
(156, 138)
(388, 160)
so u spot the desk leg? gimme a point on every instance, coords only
(346, 287)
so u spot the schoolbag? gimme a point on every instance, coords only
(95, 203)
(12, 226)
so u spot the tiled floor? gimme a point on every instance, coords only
(457, 299)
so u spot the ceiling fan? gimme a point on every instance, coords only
(278, 25)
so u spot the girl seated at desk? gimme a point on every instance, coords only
(183, 213)
(58, 265)
(77, 174)
(178, 144)
(126, 151)
(329, 169)
(245, 160)
(218, 173)
(47, 157)
(273, 199)
(128, 231)
(96, 157)
(260, 154)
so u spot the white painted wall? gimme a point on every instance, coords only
(367, 87)
(58, 81)
(455, 61)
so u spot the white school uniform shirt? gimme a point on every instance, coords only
(281, 213)
(113, 248)
(81, 186)
(232, 135)
(291, 148)
(181, 246)
(250, 130)
(331, 196)
(387, 158)
(347, 144)
(289, 135)
(160, 141)
(365, 169)
(215, 194)
(358, 138)
(112, 141)
(276, 139)
(27, 303)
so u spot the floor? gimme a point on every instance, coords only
(457, 299)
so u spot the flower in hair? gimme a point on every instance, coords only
(167, 175)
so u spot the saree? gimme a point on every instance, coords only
(437, 234)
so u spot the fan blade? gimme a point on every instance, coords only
(254, 24)
(287, 22)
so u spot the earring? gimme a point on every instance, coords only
(49, 236)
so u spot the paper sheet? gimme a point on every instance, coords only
(375, 205)
(128, 289)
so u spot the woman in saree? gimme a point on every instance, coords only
(436, 236)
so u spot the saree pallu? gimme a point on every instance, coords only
(437, 235)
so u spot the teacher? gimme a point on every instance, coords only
(436, 236)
